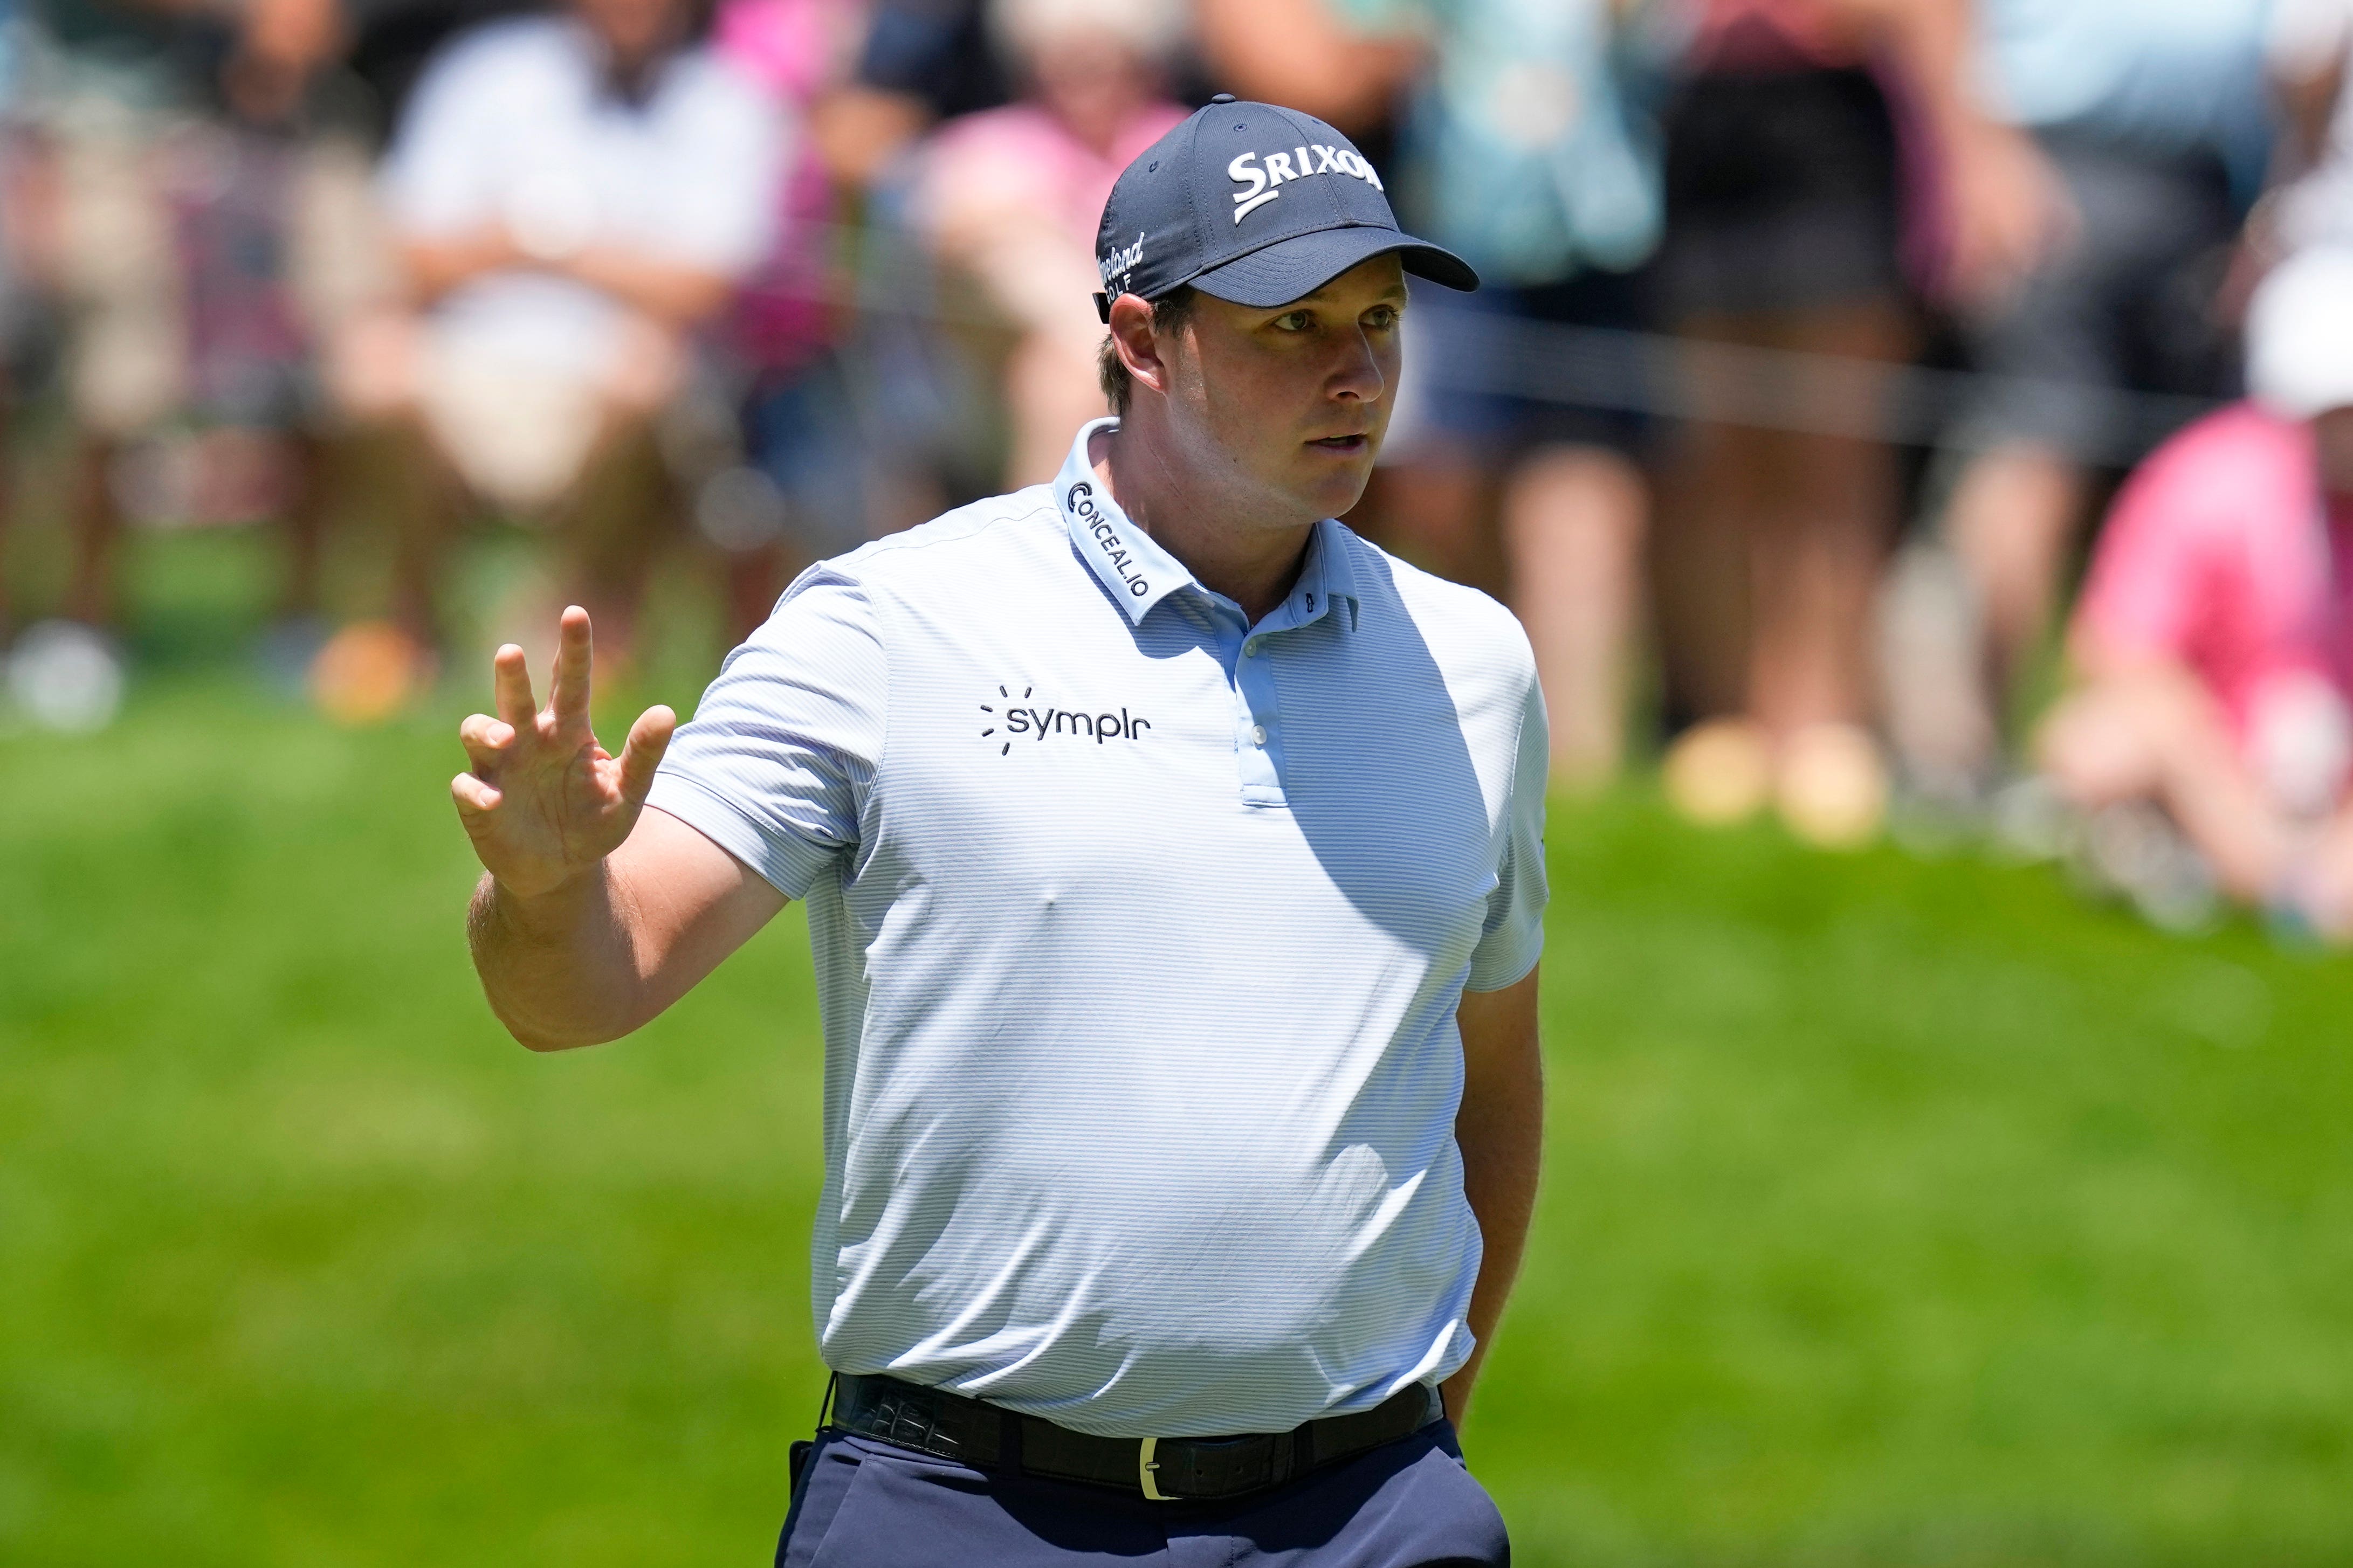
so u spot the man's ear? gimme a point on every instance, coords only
(1138, 345)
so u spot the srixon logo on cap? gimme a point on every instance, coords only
(1262, 185)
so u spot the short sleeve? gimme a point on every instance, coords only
(727, 157)
(1514, 938)
(775, 766)
(434, 180)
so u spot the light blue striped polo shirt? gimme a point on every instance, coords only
(1139, 934)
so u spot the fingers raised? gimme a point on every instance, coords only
(486, 741)
(473, 797)
(573, 654)
(510, 684)
(648, 739)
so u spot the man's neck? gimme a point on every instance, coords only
(1254, 562)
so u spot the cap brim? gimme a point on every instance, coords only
(1295, 268)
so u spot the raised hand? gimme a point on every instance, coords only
(544, 802)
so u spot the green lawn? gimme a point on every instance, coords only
(1897, 1213)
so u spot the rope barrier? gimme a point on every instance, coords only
(1779, 389)
(1663, 376)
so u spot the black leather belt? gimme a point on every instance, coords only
(1165, 1469)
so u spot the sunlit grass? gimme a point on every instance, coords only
(1897, 1213)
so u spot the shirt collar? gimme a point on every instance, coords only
(1132, 568)
(1135, 571)
(1329, 574)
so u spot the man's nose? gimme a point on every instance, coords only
(1359, 375)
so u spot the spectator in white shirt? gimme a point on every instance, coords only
(573, 195)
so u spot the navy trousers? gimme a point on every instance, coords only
(1408, 1504)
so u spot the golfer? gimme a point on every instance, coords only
(1175, 877)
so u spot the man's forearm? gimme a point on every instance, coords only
(560, 969)
(1301, 53)
(1500, 1131)
(676, 296)
(609, 949)
(1933, 41)
(435, 266)
(1499, 1178)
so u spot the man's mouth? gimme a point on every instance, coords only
(1342, 444)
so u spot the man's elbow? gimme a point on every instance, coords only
(540, 1044)
(542, 1037)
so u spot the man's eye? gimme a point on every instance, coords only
(1294, 321)
(1381, 317)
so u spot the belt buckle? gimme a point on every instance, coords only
(1145, 1467)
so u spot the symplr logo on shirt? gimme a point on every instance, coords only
(1041, 723)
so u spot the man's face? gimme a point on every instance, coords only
(635, 30)
(1296, 398)
(1092, 81)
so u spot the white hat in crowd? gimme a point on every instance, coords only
(1152, 29)
(2300, 335)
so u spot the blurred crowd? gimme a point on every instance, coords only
(1828, 346)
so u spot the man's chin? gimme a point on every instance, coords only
(1336, 495)
(1330, 485)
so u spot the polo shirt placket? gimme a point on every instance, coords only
(1124, 558)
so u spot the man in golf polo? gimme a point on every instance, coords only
(1174, 878)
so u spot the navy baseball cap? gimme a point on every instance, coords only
(1254, 204)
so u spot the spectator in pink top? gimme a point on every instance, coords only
(1011, 196)
(2214, 643)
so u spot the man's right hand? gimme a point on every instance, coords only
(543, 803)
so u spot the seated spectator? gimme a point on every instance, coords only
(107, 88)
(1012, 196)
(574, 196)
(161, 165)
(2213, 647)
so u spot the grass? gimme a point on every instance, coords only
(1897, 1213)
